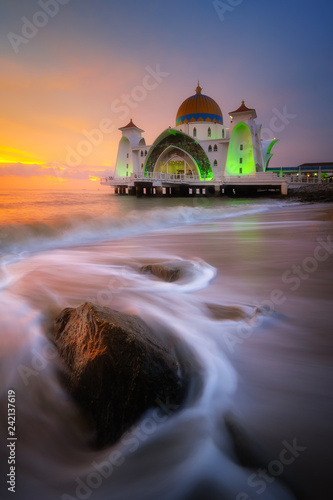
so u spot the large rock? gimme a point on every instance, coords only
(117, 368)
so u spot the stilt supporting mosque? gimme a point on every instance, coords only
(230, 189)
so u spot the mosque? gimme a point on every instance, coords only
(199, 150)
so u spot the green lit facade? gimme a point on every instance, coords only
(240, 160)
(200, 145)
(176, 143)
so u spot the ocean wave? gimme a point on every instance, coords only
(86, 229)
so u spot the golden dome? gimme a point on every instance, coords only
(199, 107)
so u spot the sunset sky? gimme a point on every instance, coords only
(73, 65)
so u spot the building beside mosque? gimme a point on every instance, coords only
(200, 148)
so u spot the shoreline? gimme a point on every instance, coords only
(319, 193)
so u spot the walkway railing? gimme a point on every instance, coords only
(161, 176)
(157, 176)
(258, 178)
(303, 179)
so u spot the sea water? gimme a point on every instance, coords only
(251, 316)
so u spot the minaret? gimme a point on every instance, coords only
(132, 133)
(245, 151)
(131, 138)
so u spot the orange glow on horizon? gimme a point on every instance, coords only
(12, 155)
(47, 182)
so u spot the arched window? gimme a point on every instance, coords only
(141, 153)
(146, 153)
(215, 163)
(209, 132)
(194, 132)
(215, 148)
(222, 133)
(210, 149)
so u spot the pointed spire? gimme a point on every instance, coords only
(130, 125)
(198, 89)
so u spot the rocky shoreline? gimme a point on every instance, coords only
(322, 193)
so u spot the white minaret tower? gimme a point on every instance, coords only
(127, 159)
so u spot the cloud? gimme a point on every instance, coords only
(58, 170)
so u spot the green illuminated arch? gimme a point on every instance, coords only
(174, 155)
(240, 160)
(269, 155)
(174, 138)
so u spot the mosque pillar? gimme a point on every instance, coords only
(210, 191)
(183, 190)
(284, 188)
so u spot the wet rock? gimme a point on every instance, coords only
(232, 313)
(312, 193)
(117, 368)
(166, 272)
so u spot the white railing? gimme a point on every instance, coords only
(258, 178)
(303, 179)
(161, 176)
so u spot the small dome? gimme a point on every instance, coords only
(199, 107)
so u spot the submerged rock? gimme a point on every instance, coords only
(232, 313)
(166, 272)
(117, 368)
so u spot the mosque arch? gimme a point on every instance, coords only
(174, 160)
(172, 142)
